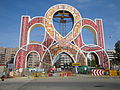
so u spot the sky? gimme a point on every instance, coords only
(12, 10)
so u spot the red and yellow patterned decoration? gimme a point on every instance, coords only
(54, 43)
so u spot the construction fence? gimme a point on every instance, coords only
(82, 70)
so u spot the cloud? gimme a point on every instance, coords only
(81, 4)
(71, 1)
(82, 1)
(76, 3)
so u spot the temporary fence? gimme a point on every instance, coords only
(61, 74)
(66, 74)
(94, 72)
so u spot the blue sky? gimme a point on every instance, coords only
(12, 10)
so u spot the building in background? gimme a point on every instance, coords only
(7, 54)
(33, 59)
(111, 56)
(110, 53)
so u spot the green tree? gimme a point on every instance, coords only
(117, 53)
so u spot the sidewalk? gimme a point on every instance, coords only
(76, 76)
(17, 79)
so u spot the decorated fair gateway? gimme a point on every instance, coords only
(58, 42)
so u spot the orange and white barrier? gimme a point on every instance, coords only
(97, 72)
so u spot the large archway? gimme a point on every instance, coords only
(55, 41)
(63, 62)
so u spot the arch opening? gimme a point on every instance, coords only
(92, 59)
(33, 60)
(89, 35)
(63, 62)
(46, 62)
(36, 34)
(63, 22)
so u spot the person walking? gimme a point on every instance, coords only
(3, 76)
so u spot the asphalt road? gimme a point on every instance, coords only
(66, 83)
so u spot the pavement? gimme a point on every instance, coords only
(80, 82)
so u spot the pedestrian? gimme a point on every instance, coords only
(3, 76)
